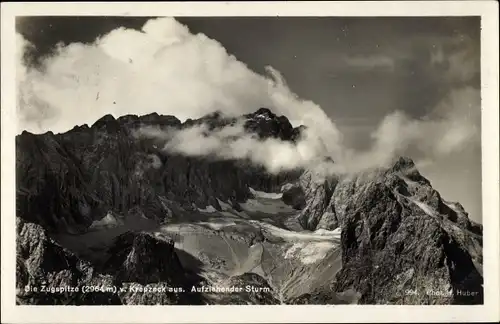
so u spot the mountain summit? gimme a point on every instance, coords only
(102, 204)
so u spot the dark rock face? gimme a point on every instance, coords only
(148, 269)
(48, 274)
(399, 236)
(143, 258)
(51, 188)
(293, 195)
(267, 125)
(318, 192)
(66, 181)
(142, 270)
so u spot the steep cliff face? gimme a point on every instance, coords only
(66, 181)
(317, 192)
(401, 242)
(48, 274)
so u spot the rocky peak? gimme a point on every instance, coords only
(108, 122)
(267, 125)
(403, 163)
(144, 258)
(264, 113)
(389, 218)
(262, 123)
(213, 121)
(152, 119)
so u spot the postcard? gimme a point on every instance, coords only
(250, 162)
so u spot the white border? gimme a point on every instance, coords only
(223, 314)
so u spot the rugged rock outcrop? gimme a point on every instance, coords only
(401, 242)
(318, 193)
(293, 195)
(143, 269)
(147, 268)
(48, 274)
(144, 258)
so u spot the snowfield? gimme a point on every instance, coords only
(227, 243)
(291, 236)
(309, 252)
(265, 195)
(208, 209)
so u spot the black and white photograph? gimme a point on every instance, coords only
(248, 160)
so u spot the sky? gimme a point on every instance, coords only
(397, 85)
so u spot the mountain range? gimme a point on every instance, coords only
(106, 215)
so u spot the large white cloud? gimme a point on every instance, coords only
(166, 69)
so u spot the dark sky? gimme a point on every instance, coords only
(357, 69)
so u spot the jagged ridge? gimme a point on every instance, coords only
(66, 181)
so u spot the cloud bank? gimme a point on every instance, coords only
(234, 142)
(453, 127)
(164, 68)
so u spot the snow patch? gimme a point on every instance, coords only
(162, 236)
(453, 206)
(335, 233)
(322, 235)
(409, 183)
(218, 225)
(225, 206)
(109, 221)
(292, 251)
(263, 117)
(172, 227)
(266, 195)
(315, 251)
(425, 208)
(309, 253)
(208, 209)
(228, 214)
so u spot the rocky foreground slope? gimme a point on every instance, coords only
(143, 269)
(401, 242)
